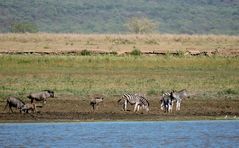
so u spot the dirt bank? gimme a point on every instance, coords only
(80, 110)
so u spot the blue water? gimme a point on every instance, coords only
(121, 134)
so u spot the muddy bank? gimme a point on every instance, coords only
(80, 110)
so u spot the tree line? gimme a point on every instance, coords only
(171, 16)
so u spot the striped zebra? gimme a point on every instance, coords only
(144, 104)
(178, 96)
(134, 99)
(166, 102)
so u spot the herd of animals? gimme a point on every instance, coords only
(138, 100)
(26, 107)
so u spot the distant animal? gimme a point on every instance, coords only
(144, 103)
(95, 101)
(14, 102)
(136, 100)
(29, 107)
(41, 96)
(166, 102)
(178, 96)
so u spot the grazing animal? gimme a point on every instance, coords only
(144, 103)
(29, 106)
(134, 99)
(95, 101)
(162, 105)
(41, 96)
(166, 102)
(14, 102)
(178, 96)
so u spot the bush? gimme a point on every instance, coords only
(141, 25)
(228, 92)
(23, 28)
(85, 52)
(135, 52)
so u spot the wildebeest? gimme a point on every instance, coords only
(14, 102)
(29, 107)
(41, 96)
(178, 96)
(96, 100)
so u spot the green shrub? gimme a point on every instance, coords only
(180, 53)
(23, 28)
(85, 52)
(228, 92)
(135, 52)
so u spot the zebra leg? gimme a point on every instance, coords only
(172, 106)
(178, 105)
(135, 106)
(162, 106)
(125, 105)
(166, 108)
(138, 107)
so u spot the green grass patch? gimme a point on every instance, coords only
(114, 75)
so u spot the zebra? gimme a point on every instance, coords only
(178, 96)
(135, 99)
(166, 102)
(144, 103)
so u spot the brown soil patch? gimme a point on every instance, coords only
(79, 110)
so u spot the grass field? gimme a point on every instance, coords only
(114, 75)
(213, 81)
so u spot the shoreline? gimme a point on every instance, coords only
(80, 111)
(28, 118)
(96, 121)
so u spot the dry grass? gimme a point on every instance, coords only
(115, 42)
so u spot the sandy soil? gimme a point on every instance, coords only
(65, 109)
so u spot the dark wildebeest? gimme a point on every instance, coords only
(96, 100)
(41, 96)
(29, 107)
(178, 96)
(14, 102)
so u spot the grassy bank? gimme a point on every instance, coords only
(204, 77)
(116, 43)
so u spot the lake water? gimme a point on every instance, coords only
(121, 134)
